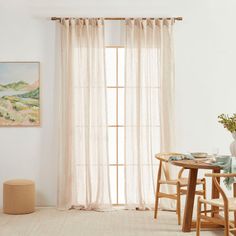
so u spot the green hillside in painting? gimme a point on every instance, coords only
(21, 85)
(32, 94)
(19, 104)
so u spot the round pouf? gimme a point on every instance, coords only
(18, 196)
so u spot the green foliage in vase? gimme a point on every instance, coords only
(229, 122)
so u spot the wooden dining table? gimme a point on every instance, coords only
(194, 166)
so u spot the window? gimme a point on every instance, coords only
(115, 77)
(115, 105)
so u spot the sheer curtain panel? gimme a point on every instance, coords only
(149, 87)
(83, 153)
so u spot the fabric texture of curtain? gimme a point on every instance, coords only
(149, 107)
(83, 180)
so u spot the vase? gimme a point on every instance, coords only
(233, 145)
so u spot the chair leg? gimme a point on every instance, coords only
(226, 216)
(156, 201)
(235, 222)
(178, 206)
(157, 190)
(204, 195)
(198, 226)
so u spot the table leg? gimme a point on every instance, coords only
(234, 188)
(215, 193)
(188, 211)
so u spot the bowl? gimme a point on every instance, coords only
(199, 154)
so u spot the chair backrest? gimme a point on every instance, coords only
(164, 157)
(216, 181)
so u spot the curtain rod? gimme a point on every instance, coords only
(179, 18)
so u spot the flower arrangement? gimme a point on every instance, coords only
(229, 122)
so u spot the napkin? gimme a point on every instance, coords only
(182, 157)
(228, 166)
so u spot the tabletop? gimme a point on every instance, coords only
(195, 164)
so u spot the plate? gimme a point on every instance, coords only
(199, 154)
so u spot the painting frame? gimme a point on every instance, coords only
(38, 65)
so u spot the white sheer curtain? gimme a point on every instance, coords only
(149, 83)
(167, 106)
(83, 155)
(65, 117)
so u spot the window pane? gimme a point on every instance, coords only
(155, 106)
(112, 145)
(120, 106)
(121, 185)
(121, 145)
(121, 66)
(113, 184)
(111, 106)
(111, 66)
(155, 142)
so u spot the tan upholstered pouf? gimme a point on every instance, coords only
(18, 196)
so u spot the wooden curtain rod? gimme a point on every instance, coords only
(179, 18)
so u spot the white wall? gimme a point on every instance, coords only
(28, 152)
(205, 75)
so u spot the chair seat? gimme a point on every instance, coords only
(220, 203)
(183, 182)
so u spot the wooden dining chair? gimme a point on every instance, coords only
(224, 204)
(180, 183)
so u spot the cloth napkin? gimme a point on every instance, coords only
(228, 166)
(180, 158)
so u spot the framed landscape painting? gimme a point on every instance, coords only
(19, 94)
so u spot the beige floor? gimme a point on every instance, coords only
(51, 222)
